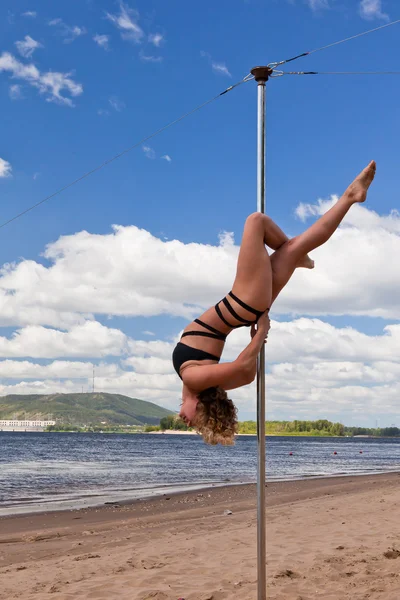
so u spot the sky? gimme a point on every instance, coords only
(109, 272)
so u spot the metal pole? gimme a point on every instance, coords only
(261, 75)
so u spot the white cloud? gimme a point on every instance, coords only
(52, 84)
(372, 9)
(15, 91)
(167, 158)
(146, 349)
(58, 369)
(149, 152)
(88, 340)
(31, 14)
(156, 39)
(148, 333)
(314, 368)
(116, 103)
(310, 340)
(102, 40)
(5, 168)
(217, 67)
(343, 375)
(27, 46)
(220, 68)
(149, 366)
(103, 112)
(360, 216)
(150, 58)
(158, 277)
(126, 22)
(70, 33)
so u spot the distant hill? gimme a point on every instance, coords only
(83, 409)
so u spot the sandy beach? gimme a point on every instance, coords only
(336, 538)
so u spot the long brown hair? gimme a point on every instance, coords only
(216, 417)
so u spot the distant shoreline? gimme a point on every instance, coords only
(183, 432)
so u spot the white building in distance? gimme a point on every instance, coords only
(26, 425)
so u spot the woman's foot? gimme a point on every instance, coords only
(357, 191)
(306, 263)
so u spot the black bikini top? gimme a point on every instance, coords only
(217, 335)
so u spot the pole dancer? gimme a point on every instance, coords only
(259, 280)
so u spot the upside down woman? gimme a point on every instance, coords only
(259, 279)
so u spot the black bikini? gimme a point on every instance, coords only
(182, 353)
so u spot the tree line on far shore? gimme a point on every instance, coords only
(321, 427)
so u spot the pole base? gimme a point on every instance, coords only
(261, 74)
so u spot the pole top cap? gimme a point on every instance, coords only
(261, 74)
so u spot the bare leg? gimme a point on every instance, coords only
(286, 258)
(274, 238)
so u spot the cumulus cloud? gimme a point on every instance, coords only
(70, 33)
(127, 22)
(58, 369)
(30, 14)
(27, 46)
(102, 40)
(52, 84)
(313, 368)
(158, 277)
(372, 9)
(5, 168)
(309, 340)
(92, 339)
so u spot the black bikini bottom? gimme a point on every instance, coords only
(183, 353)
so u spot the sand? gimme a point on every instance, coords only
(335, 539)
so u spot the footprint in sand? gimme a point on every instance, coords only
(392, 553)
(287, 573)
(149, 563)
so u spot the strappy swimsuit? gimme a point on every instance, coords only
(182, 353)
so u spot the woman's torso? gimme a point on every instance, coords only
(210, 317)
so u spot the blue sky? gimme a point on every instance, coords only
(125, 82)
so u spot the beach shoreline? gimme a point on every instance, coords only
(119, 498)
(326, 538)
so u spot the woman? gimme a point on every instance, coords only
(259, 280)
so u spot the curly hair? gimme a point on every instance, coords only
(216, 417)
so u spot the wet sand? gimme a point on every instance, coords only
(334, 538)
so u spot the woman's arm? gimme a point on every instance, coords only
(230, 376)
(248, 358)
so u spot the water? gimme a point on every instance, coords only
(54, 470)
